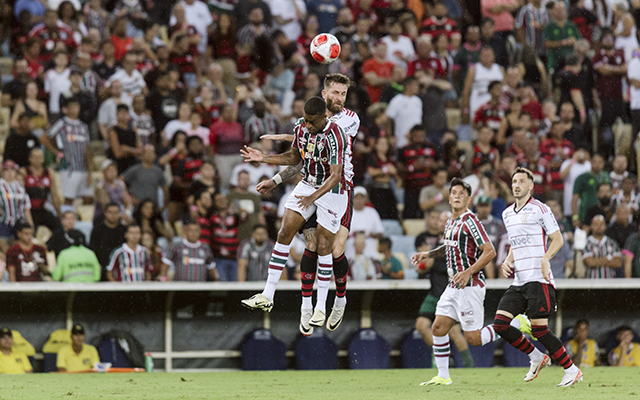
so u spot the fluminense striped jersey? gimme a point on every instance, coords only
(350, 124)
(129, 265)
(191, 261)
(605, 248)
(72, 138)
(528, 229)
(14, 202)
(463, 237)
(319, 152)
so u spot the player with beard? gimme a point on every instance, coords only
(335, 95)
(529, 223)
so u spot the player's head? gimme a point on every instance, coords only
(581, 330)
(522, 183)
(442, 223)
(315, 119)
(259, 234)
(459, 194)
(77, 335)
(192, 233)
(133, 234)
(335, 91)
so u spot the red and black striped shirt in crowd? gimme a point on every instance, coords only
(479, 157)
(204, 220)
(224, 235)
(186, 168)
(38, 187)
(556, 152)
(412, 155)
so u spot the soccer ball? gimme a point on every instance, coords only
(325, 48)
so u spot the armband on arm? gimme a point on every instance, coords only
(277, 179)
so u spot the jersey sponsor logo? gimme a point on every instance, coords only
(449, 242)
(474, 229)
(466, 313)
(308, 156)
(521, 240)
(335, 214)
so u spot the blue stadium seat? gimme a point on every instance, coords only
(455, 355)
(368, 350)
(483, 355)
(50, 362)
(414, 352)
(515, 358)
(110, 352)
(263, 352)
(316, 352)
(85, 227)
(392, 227)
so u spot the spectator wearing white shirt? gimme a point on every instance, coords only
(255, 170)
(108, 109)
(56, 81)
(287, 15)
(405, 110)
(183, 123)
(633, 74)
(198, 16)
(363, 267)
(198, 130)
(400, 49)
(570, 170)
(130, 78)
(365, 219)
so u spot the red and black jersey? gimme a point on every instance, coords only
(204, 220)
(440, 65)
(551, 150)
(490, 115)
(62, 33)
(208, 115)
(185, 61)
(434, 26)
(224, 235)
(38, 188)
(186, 168)
(609, 86)
(412, 155)
(26, 262)
(480, 158)
(421, 64)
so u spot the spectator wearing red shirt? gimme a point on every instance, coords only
(555, 150)
(201, 211)
(51, 32)
(185, 56)
(227, 138)
(377, 72)
(121, 42)
(32, 50)
(483, 151)
(610, 68)
(224, 238)
(423, 53)
(491, 113)
(538, 166)
(439, 23)
(26, 261)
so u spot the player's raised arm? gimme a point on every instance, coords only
(285, 137)
(426, 255)
(291, 157)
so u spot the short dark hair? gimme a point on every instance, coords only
(460, 182)
(493, 84)
(580, 322)
(315, 106)
(258, 226)
(70, 100)
(385, 241)
(409, 80)
(336, 78)
(522, 170)
(112, 204)
(486, 20)
(122, 107)
(133, 225)
(605, 184)
(22, 225)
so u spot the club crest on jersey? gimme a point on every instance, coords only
(524, 218)
(320, 145)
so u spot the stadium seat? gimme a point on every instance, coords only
(261, 351)
(85, 227)
(86, 212)
(316, 352)
(414, 227)
(368, 350)
(392, 227)
(414, 352)
(483, 355)
(515, 358)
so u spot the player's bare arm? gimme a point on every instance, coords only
(336, 173)
(285, 137)
(488, 253)
(291, 157)
(426, 255)
(507, 266)
(556, 242)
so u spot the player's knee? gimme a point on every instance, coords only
(285, 235)
(539, 331)
(422, 325)
(324, 245)
(501, 323)
(311, 246)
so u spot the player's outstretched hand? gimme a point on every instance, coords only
(249, 154)
(283, 137)
(265, 186)
(507, 269)
(419, 257)
(546, 270)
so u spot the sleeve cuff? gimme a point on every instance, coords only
(626, 252)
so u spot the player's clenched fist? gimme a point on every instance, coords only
(418, 258)
(507, 269)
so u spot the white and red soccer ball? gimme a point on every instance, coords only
(325, 48)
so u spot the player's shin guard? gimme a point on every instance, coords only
(441, 351)
(325, 264)
(553, 344)
(276, 266)
(340, 271)
(488, 335)
(308, 266)
(502, 326)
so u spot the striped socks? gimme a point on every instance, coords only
(308, 266)
(325, 265)
(554, 345)
(276, 266)
(441, 351)
(488, 334)
(340, 272)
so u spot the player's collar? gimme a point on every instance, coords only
(525, 204)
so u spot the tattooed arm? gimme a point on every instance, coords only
(282, 176)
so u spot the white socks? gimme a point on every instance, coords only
(441, 351)
(277, 264)
(488, 335)
(325, 268)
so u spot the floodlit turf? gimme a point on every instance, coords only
(495, 383)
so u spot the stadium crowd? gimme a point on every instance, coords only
(132, 113)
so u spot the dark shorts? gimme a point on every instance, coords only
(535, 299)
(428, 307)
(346, 218)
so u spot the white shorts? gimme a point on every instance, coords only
(329, 208)
(465, 305)
(74, 184)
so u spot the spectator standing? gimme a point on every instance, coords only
(107, 235)
(363, 267)
(435, 197)
(382, 169)
(206, 180)
(130, 262)
(633, 76)
(400, 49)
(559, 35)
(568, 80)
(627, 353)
(20, 142)
(476, 86)
(225, 238)
(26, 261)
(51, 32)
(326, 11)
(490, 38)
(604, 206)
(500, 12)
(556, 150)
(107, 113)
(406, 111)
(493, 226)
(530, 23)
(125, 145)
(162, 102)
(493, 114)
(66, 236)
(87, 100)
(440, 23)
(56, 81)
(602, 254)
(365, 219)
(15, 205)
(144, 179)
(627, 194)
(130, 78)
(40, 185)
(227, 139)
(12, 361)
(108, 66)
(76, 264)
(573, 132)
(191, 259)
(150, 219)
(467, 56)
(68, 138)
(111, 189)
(622, 226)
(34, 109)
(247, 203)
(377, 72)
(14, 90)
(287, 15)
(254, 255)
(260, 123)
(585, 189)
(390, 266)
(198, 15)
(141, 121)
(583, 351)
(619, 172)
(570, 170)
(78, 356)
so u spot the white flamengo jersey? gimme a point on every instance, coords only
(528, 229)
(350, 123)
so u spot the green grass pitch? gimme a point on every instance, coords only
(469, 384)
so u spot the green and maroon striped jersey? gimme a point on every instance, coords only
(319, 152)
(191, 261)
(463, 237)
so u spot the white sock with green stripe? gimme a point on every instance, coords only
(277, 264)
(325, 267)
(441, 350)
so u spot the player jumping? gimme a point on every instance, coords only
(468, 250)
(335, 95)
(528, 223)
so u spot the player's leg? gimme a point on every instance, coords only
(472, 320)
(308, 268)
(459, 339)
(325, 265)
(426, 316)
(340, 272)
(446, 316)
(541, 299)
(423, 326)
